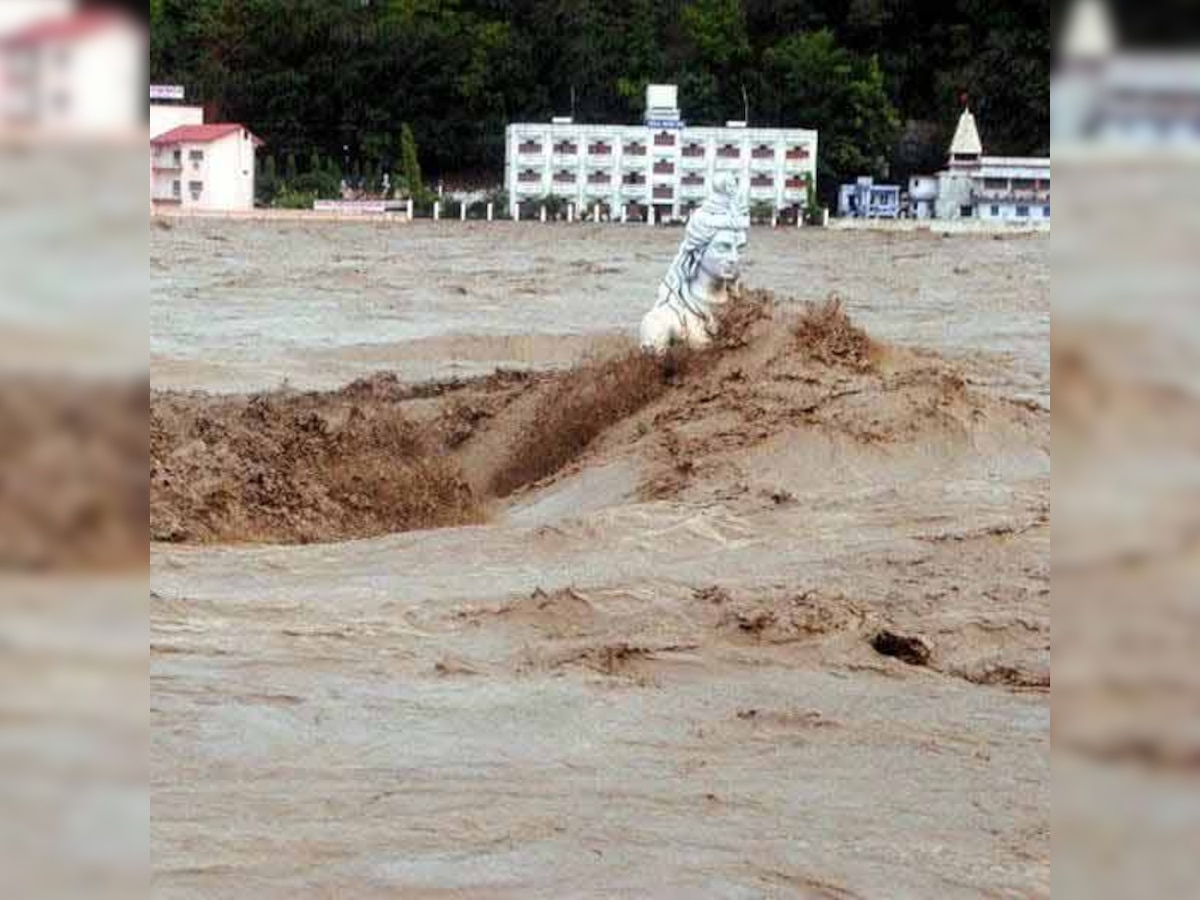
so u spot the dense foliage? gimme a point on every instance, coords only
(340, 77)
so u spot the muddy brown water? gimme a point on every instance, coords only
(598, 694)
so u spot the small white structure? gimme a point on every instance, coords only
(664, 164)
(166, 116)
(205, 167)
(77, 75)
(975, 186)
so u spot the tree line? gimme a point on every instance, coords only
(882, 80)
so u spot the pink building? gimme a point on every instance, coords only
(74, 75)
(203, 167)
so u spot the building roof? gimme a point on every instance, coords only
(68, 28)
(966, 137)
(201, 134)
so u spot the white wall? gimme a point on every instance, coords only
(230, 176)
(164, 117)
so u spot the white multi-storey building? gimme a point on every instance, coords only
(663, 163)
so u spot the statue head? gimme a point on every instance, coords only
(712, 244)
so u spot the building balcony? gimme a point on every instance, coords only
(528, 188)
(693, 163)
(725, 163)
(795, 195)
(564, 189)
(531, 149)
(693, 190)
(633, 190)
(762, 190)
(167, 165)
(166, 198)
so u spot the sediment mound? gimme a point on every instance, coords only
(777, 388)
(297, 468)
(73, 493)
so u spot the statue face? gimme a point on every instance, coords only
(722, 258)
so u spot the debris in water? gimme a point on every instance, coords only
(910, 648)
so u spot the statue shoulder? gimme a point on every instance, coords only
(661, 326)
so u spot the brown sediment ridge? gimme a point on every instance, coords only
(73, 494)
(378, 456)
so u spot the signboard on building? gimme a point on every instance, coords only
(665, 123)
(166, 92)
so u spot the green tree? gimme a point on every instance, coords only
(290, 172)
(818, 84)
(410, 165)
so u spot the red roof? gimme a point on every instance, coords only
(200, 134)
(70, 28)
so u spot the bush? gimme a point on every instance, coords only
(555, 206)
(322, 184)
(760, 213)
(289, 198)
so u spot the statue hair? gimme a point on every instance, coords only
(723, 210)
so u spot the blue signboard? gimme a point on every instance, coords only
(665, 123)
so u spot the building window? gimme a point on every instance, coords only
(564, 177)
(797, 153)
(762, 151)
(177, 159)
(566, 148)
(635, 149)
(729, 151)
(195, 188)
(634, 178)
(1022, 212)
(664, 139)
(599, 178)
(995, 184)
(176, 189)
(600, 148)
(196, 156)
(663, 192)
(664, 168)
(693, 180)
(1046, 212)
(796, 184)
(995, 211)
(530, 147)
(966, 212)
(759, 181)
(528, 176)
(693, 150)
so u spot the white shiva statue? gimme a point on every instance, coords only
(705, 268)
